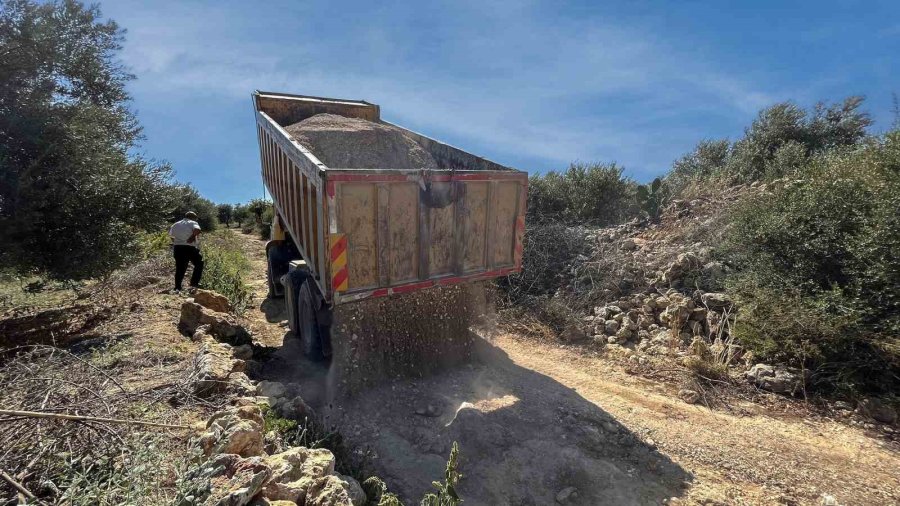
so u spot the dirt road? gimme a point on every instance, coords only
(536, 421)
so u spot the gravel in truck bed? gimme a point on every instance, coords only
(353, 143)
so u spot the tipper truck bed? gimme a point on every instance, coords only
(361, 233)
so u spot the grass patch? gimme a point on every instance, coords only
(224, 267)
(34, 291)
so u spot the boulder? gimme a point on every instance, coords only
(611, 327)
(214, 368)
(296, 471)
(573, 333)
(271, 389)
(878, 410)
(236, 430)
(220, 325)
(213, 301)
(225, 480)
(782, 380)
(716, 301)
(336, 490)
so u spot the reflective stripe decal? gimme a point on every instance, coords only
(340, 279)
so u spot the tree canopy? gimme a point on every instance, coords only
(73, 196)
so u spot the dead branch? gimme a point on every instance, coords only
(18, 486)
(60, 416)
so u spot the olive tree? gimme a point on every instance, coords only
(73, 196)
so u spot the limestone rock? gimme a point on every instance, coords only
(226, 480)
(236, 431)
(212, 300)
(611, 327)
(336, 490)
(296, 471)
(782, 380)
(221, 326)
(270, 389)
(716, 301)
(214, 368)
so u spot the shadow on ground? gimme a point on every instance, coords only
(273, 309)
(524, 438)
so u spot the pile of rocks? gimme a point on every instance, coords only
(220, 363)
(641, 317)
(234, 468)
(238, 462)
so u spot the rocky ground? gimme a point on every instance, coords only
(548, 422)
(537, 421)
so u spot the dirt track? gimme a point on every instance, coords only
(533, 419)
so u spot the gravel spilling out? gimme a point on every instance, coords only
(411, 335)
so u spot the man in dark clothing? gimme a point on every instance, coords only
(185, 236)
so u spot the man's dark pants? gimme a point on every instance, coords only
(183, 255)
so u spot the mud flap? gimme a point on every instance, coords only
(295, 281)
(278, 258)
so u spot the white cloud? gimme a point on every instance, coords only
(553, 90)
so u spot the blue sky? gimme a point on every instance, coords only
(530, 84)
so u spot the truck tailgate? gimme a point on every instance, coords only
(397, 231)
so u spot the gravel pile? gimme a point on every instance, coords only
(353, 143)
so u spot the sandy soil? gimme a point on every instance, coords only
(534, 418)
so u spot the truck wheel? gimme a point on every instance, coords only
(309, 334)
(273, 268)
(278, 259)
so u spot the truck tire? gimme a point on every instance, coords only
(278, 259)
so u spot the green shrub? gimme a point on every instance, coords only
(818, 277)
(224, 267)
(151, 243)
(650, 199)
(778, 143)
(446, 492)
(707, 159)
(549, 249)
(594, 194)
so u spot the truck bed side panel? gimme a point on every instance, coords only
(294, 180)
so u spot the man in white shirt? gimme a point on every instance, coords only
(185, 236)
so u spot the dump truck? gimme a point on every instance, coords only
(343, 235)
